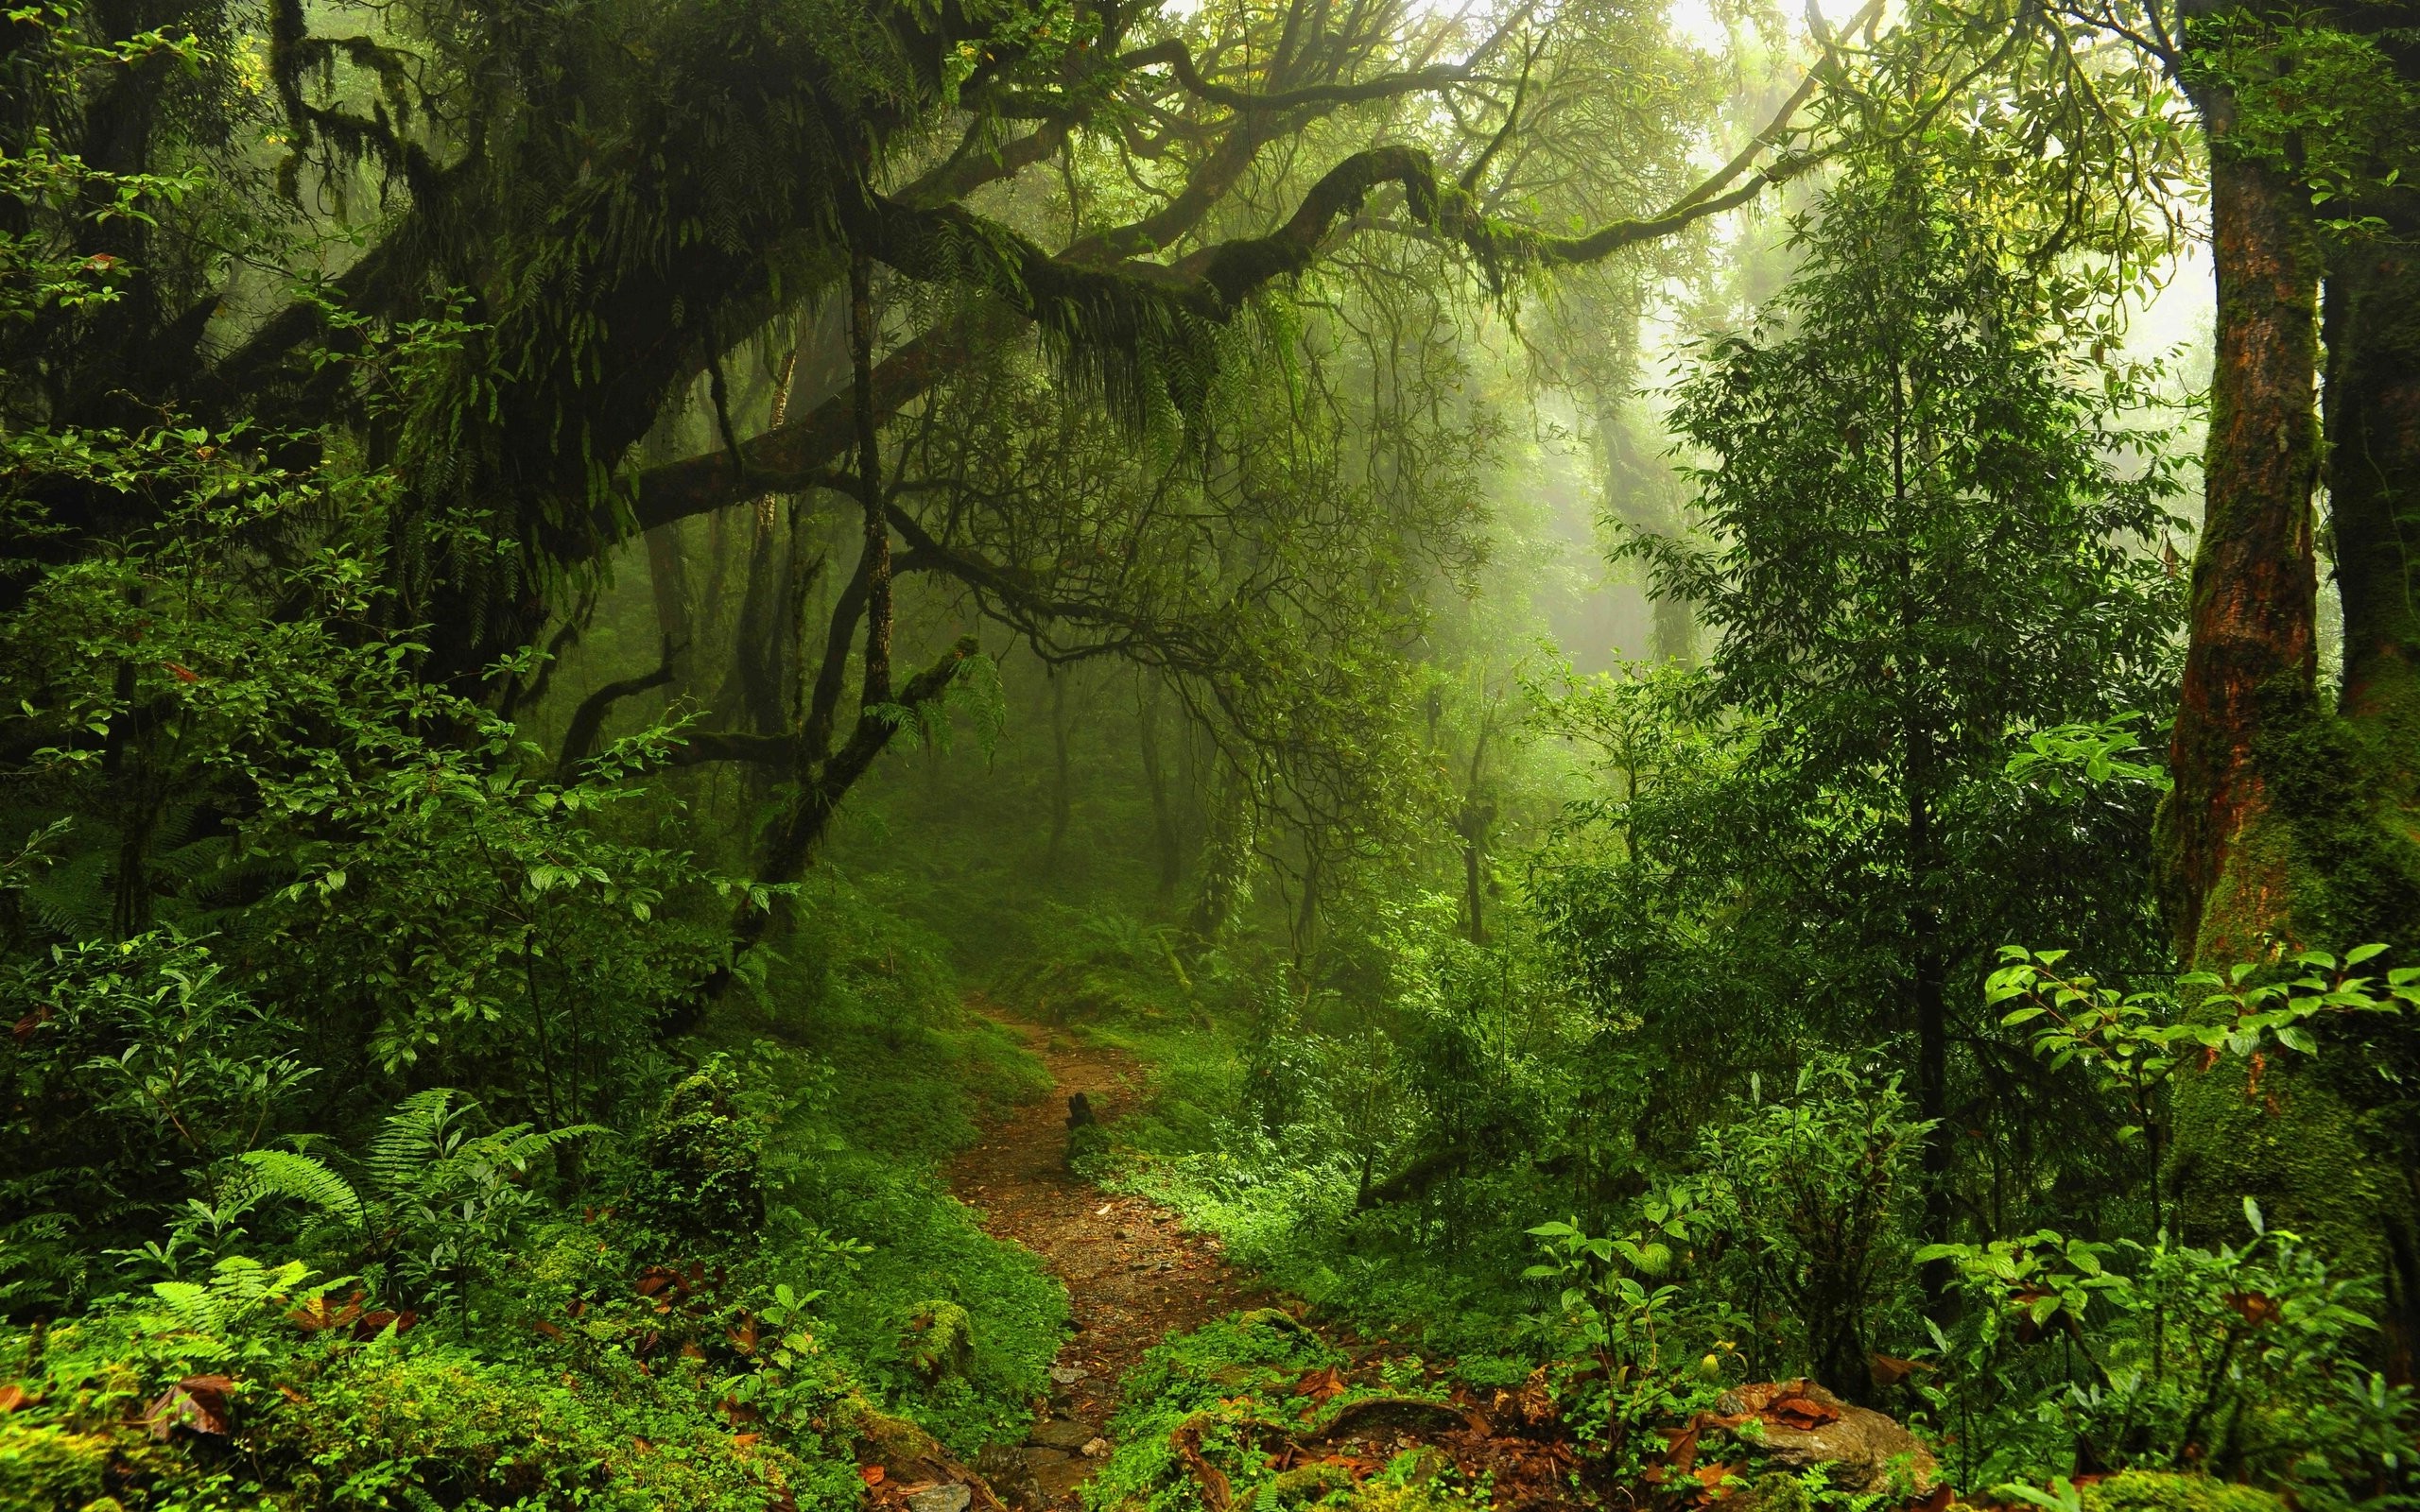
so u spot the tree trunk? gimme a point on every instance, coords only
(2361, 810)
(1639, 493)
(1062, 803)
(2252, 659)
(2286, 829)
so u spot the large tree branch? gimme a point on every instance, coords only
(1066, 292)
(588, 720)
(1173, 55)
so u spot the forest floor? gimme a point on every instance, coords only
(1134, 1276)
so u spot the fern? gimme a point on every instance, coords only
(238, 1287)
(423, 1131)
(284, 1174)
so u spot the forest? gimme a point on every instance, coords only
(1209, 755)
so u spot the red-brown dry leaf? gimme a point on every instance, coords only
(196, 1403)
(1319, 1384)
(1216, 1492)
(871, 1474)
(1680, 1445)
(1801, 1412)
(1937, 1501)
(1889, 1369)
(2258, 1308)
(12, 1396)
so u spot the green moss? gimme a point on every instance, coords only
(2321, 1142)
(1299, 1486)
(2159, 1491)
(944, 1340)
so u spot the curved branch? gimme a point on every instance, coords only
(588, 720)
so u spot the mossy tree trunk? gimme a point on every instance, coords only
(2288, 827)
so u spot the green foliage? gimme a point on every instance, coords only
(700, 1179)
(2241, 1362)
(1818, 1195)
(1211, 1380)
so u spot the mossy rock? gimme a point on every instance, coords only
(1276, 1320)
(2159, 1491)
(1299, 1486)
(944, 1340)
(1087, 1148)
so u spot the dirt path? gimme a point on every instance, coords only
(1131, 1277)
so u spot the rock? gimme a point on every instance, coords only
(1060, 1433)
(1276, 1320)
(1067, 1375)
(1303, 1483)
(1416, 1413)
(1804, 1425)
(1012, 1478)
(1061, 1474)
(950, 1496)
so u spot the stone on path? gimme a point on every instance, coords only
(950, 1496)
(1062, 1433)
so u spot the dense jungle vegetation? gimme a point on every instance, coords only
(1725, 704)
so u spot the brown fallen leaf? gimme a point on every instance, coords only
(1801, 1412)
(196, 1404)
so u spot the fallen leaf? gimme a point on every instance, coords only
(12, 1396)
(871, 1474)
(196, 1403)
(1889, 1369)
(1319, 1384)
(1801, 1413)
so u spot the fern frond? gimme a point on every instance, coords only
(191, 1305)
(525, 1148)
(415, 1138)
(284, 1174)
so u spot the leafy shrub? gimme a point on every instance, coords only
(2241, 1362)
(702, 1183)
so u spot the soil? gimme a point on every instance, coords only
(1133, 1275)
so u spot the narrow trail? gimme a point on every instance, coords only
(1132, 1277)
